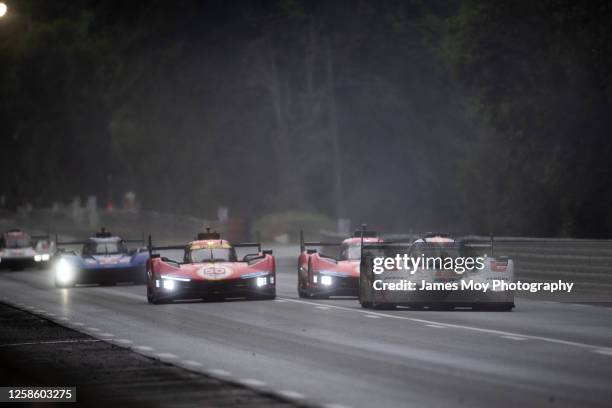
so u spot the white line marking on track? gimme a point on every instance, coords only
(219, 372)
(435, 326)
(78, 324)
(252, 382)
(107, 335)
(124, 341)
(323, 307)
(144, 348)
(191, 363)
(64, 318)
(605, 351)
(31, 343)
(93, 329)
(371, 316)
(457, 326)
(165, 355)
(279, 300)
(291, 394)
(517, 338)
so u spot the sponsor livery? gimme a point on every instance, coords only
(324, 273)
(434, 285)
(210, 269)
(104, 259)
(18, 249)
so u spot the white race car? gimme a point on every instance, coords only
(18, 249)
(439, 272)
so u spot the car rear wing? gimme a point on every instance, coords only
(151, 248)
(462, 245)
(69, 243)
(305, 244)
(256, 244)
(44, 237)
(59, 243)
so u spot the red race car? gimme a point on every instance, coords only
(210, 269)
(321, 274)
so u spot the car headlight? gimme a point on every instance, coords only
(64, 271)
(42, 257)
(261, 281)
(326, 280)
(168, 284)
(176, 278)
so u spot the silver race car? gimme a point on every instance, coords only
(435, 272)
(19, 250)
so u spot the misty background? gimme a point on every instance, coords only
(472, 116)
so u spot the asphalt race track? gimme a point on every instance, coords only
(333, 352)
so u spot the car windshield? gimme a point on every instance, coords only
(211, 254)
(350, 252)
(18, 242)
(436, 249)
(104, 248)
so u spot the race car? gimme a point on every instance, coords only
(322, 275)
(18, 249)
(104, 259)
(210, 270)
(438, 269)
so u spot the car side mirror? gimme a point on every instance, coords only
(267, 252)
(311, 251)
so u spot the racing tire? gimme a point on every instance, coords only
(154, 300)
(384, 306)
(497, 307)
(262, 297)
(301, 292)
(366, 305)
(441, 307)
(62, 285)
(158, 301)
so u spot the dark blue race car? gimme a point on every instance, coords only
(104, 259)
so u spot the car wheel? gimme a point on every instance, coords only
(157, 301)
(262, 297)
(62, 285)
(497, 307)
(366, 305)
(385, 306)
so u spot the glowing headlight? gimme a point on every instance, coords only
(315, 279)
(64, 271)
(168, 284)
(42, 257)
(261, 281)
(176, 278)
(326, 280)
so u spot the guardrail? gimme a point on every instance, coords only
(586, 262)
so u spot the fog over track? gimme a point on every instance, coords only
(334, 352)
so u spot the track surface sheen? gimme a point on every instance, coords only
(334, 352)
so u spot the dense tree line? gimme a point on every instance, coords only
(474, 115)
